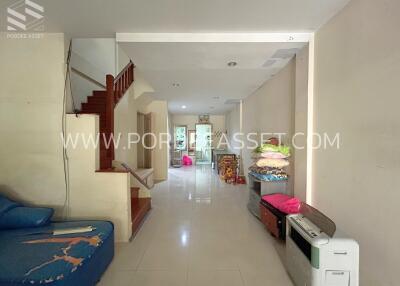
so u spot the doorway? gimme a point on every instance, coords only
(203, 143)
(144, 155)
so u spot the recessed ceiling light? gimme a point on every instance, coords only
(215, 97)
(232, 64)
(183, 106)
(175, 84)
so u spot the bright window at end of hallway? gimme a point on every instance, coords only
(180, 137)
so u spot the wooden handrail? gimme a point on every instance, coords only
(128, 66)
(123, 81)
(133, 173)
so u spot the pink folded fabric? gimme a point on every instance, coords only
(284, 203)
(276, 200)
(291, 206)
(273, 155)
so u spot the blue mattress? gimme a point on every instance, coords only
(33, 257)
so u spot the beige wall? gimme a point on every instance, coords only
(357, 72)
(125, 122)
(96, 195)
(31, 94)
(135, 100)
(271, 110)
(125, 114)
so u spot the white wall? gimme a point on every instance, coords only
(357, 71)
(217, 121)
(31, 94)
(271, 110)
(300, 125)
(159, 122)
(232, 127)
(99, 52)
(122, 59)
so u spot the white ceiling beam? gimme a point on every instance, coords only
(213, 37)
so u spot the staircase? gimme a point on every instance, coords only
(103, 102)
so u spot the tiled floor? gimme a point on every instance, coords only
(198, 233)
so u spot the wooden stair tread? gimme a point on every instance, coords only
(96, 104)
(99, 93)
(96, 100)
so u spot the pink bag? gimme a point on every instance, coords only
(187, 161)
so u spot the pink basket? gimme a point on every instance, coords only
(187, 161)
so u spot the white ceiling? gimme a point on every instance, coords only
(103, 18)
(199, 68)
(206, 82)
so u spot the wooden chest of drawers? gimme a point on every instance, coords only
(273, 219)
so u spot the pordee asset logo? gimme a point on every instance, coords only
(25, 16)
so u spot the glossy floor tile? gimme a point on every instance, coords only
(199, 232)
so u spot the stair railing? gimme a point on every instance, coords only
(137, 177)
(116, 88)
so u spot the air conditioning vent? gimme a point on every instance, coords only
(232, 101)
(269, 63)
(285, 53)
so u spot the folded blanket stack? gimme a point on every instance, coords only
(270, 161)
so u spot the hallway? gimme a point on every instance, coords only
(198, 233)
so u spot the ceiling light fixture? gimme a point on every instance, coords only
(215, 97)
(175, 84)
(183, 106)
(232, 64)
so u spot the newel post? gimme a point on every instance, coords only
(110, 104)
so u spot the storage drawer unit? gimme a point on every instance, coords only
(258, 188)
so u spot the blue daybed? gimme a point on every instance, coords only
(34, 256)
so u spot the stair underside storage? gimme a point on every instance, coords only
(139, 209)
